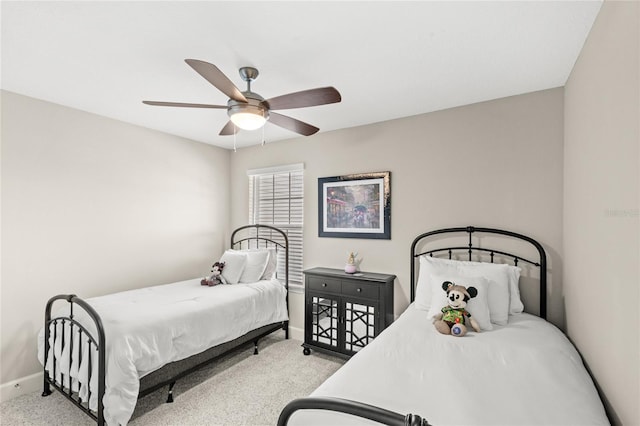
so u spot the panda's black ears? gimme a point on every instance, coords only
(446, 285)
(473, 292)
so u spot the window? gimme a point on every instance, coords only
(276, 197)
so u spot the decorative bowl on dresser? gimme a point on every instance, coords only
(344, 312)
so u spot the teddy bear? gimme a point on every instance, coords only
(453, 317)
(216, 275)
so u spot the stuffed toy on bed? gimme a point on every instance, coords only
(453, 317)
(216, 275)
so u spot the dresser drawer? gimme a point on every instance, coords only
(359, 289)
(323, 284)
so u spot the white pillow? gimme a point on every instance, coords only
(501, 278)
(255, 266)
(272, 264)
(515, 305)
(477, 306)
(234, 263)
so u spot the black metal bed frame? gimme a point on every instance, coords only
(258, 236)
(387, 417)
(353, 408)
(470, 249)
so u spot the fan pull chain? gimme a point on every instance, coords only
(235, 130)
(263, 126)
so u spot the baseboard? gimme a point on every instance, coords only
(24, 385)
(296, 333)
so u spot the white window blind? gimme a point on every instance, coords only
(276, 197)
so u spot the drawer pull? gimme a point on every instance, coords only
(324, 284)
(359, 290)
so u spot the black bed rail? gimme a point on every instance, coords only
(98, 342)
(470, 249)
(353, 408)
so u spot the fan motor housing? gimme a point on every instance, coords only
(254, 106)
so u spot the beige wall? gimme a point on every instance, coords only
(601, 206)
(495, 163)
(92, 206)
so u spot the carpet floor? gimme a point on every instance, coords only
(238, 389)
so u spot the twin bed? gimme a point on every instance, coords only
(519, 370)
(105, 352)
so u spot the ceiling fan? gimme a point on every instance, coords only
(248, 110)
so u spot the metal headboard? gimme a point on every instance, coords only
(263, 236)
(470, 249)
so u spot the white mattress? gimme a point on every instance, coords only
(150, 327)
(524, 373)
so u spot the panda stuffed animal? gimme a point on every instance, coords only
(452, 318)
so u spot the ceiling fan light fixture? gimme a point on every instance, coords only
(248, 120)
(248, 115)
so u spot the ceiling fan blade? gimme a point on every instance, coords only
(213, 75)
(181, 104)
(292, 124)
(305, 98)
(228, 129)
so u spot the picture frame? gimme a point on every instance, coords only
(355, 206)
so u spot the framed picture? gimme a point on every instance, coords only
(355, 206)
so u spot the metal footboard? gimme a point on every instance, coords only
(74, 340)
(350, 407)
(66, 331)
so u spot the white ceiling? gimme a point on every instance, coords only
(387, 59)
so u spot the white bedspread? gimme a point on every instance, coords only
(150, 327)
(524, 373)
